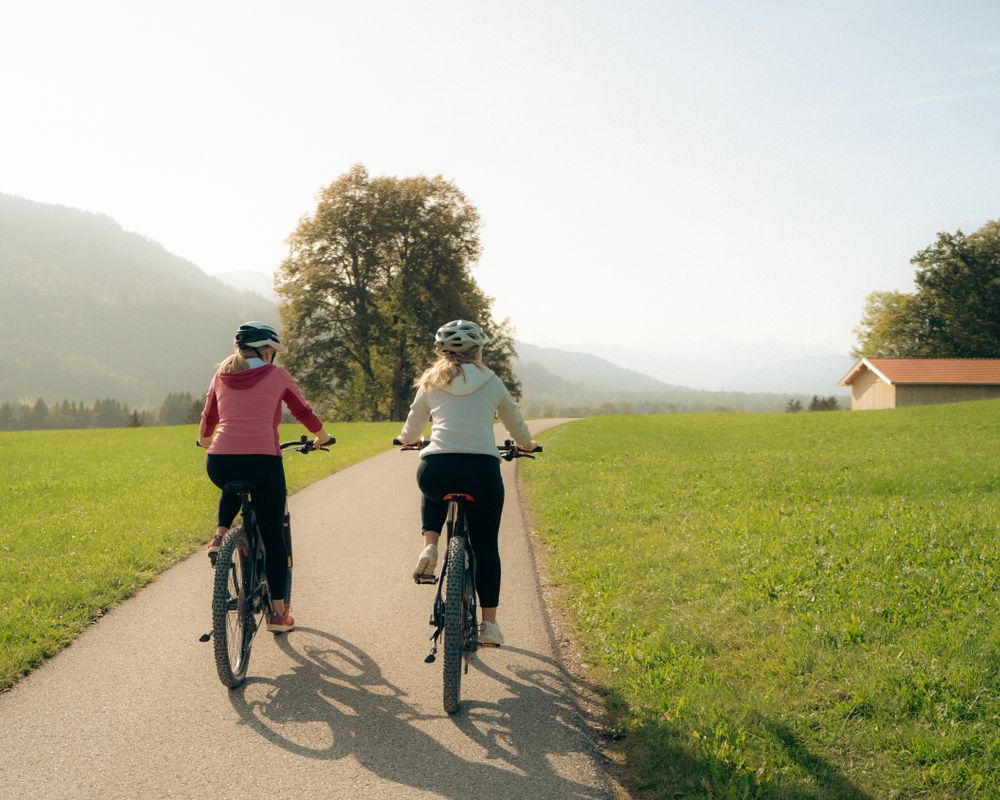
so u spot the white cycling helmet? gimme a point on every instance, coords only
(460, 336)
(251, 335)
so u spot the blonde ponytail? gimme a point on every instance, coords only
(235, 363)
(448, 367)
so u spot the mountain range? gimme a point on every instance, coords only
(90, 310)
(562, 382)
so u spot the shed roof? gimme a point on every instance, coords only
(928, 370)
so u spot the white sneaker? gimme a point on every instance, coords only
(490, 634)
(426, 563)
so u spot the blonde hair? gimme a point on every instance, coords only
(237, 362)
(448, 367)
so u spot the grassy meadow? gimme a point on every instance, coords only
(786, 605)
(87, 517)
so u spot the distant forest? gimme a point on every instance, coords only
(177, 409)
(180, 408)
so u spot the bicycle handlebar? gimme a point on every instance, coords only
(302, 445)
(305, 445)
(509, 449)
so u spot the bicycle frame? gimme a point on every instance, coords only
(453, 615)
(241, 595)
(260, 598)
(456, 525)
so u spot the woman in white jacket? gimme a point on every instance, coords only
(462, 398)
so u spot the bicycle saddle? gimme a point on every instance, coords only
(238, 487)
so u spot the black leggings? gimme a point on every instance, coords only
(478, 475)
(267, 474)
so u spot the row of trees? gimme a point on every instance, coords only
(816, 404)
(955, 310)
(380, 265)
(177, 409)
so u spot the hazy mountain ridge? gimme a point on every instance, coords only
(250, 281)
(91, 310)
(563, 382)
(584, 368)
(723, 365)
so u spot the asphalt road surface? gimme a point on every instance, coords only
(342, 707)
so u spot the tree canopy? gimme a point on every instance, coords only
(955, 310)
(370, 276)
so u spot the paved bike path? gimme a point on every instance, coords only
(342, 707)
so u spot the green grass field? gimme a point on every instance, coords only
(88, 517)
(788, 605)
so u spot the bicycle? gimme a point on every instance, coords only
(240, 594)
(454, 614)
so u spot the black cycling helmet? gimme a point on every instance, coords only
(252, 335)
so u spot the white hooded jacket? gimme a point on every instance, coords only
(462, 414)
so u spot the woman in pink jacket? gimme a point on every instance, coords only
(239, 426)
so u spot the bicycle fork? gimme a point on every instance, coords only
(437, 616)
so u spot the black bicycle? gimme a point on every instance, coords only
(240, 594)
(454, 613)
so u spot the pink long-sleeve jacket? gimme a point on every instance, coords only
(246, 407)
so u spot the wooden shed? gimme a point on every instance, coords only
(898, 382)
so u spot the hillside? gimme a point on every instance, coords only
(90, 310)
(562, 382)
(719, 364)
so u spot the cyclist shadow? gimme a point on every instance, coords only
(542, 699)
(335, 702)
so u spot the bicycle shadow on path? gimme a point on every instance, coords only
(335, 703)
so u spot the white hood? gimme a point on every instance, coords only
(471, 379)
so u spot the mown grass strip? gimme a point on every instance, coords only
(88, 517)
(788, 605)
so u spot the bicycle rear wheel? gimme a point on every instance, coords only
(454, 616)
(232, 616)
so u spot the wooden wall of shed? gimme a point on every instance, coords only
(869, 392)
(926, 394)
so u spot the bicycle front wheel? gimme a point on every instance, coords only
(232, 615)
(454, 616)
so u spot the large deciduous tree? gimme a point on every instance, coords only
(955, 310)
(380, 265)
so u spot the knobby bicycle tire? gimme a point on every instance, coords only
(454, 616)
(232, 616)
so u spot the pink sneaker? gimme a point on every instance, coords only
(281, 623)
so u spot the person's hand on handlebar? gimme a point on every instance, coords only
(205, 441)
(322, 438)
(530, 447)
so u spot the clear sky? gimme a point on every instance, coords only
(644, 170)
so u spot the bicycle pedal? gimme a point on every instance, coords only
(425, 579)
